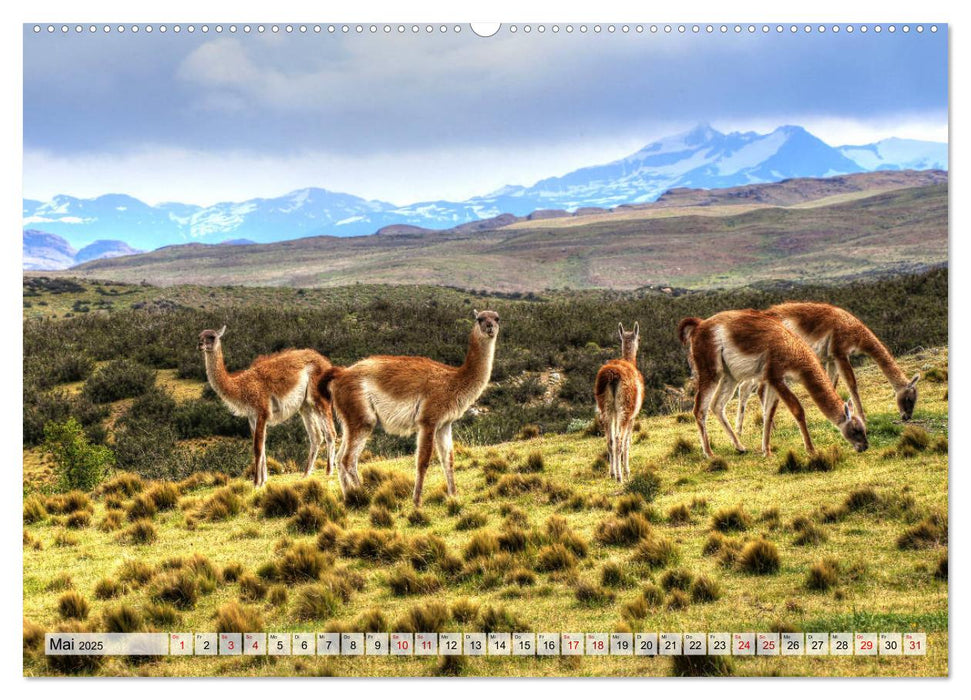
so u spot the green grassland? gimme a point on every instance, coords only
(536, 540)
(812, 236)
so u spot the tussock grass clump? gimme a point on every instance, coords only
(464, 611)
(640, 607)
(164, 495)
(705, 589)
(71, 664)
(646, 484)
(930, 532)
(484, 543)
(656, 551)
(499, 619)
(865, 499)
(426, 551)
(432, 617)
(513, 539)
(682, 447)
(592, 594)
(599, 465)
(555, 557)
(521, 576)
(534, 463)
(356, 498)
(494, 469)
(316, 602)
(279, 501)
(34, 509)
(78, 520)
(915, 438)
(380, 516)
(807, 533)
(329, 537)
(251, 588)
(61, 582)
(825, 460)
(33, 638)
(528, 432)
(701, 665)
(940, 572)
(136, 572)
(759, 557)
(717, 464)
(300, 563)
(141, 508)
(613, 575)
(453, 506)
(108, 588)
(223, 504)
(472, 520)
(517, 484)
(404, 580)
(630, 503)
(676, 600)
(111, 521)
(450, 666)
(141, 532)
(233, 617)
(679, 514)
(124, 484)
(823, 575)
(63, 503)
(63, 538)
(123, 618)
(676, 579)
(180, 589)
(514, 515)
(232, 571)
(278, 596)
(374, 545)
(417, 518)
(73, 606)
(626, 530)
(161, 614)
(372, 620)
(731, 520)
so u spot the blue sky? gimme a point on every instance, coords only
(202, 118)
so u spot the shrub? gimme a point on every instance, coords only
(555, 557)
(823, 575)
(122, 618)
(656, 551)
(279, 501)
(464, 610)
(108, 588)
(676, 579)
(119, 379)
(73, 606)
(471, 521)
(430, 617)
(235, 618)
(647, 484)
(78, 464)
(482, 544)
(251, 588)
(591, 594)
(731, 520)
(626, 530)
(705, 590)
(759, 557)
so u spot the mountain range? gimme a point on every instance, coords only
(48, 251)
(702, 158)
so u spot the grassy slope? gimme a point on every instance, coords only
(891, 589)
(844, 236)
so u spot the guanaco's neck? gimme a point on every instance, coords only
(217, 375)
(822, 392)
(630, 355)
(872, 346)
(477, 367)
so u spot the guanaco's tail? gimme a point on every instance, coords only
(329, 375)
(686, 328)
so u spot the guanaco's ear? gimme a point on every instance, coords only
(475, 314)
(847, 411)
(620, 330)
(219, 333)
(637, 328)
(913, 382)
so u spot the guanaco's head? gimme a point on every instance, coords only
(209, 340)
(853, 429)
(629, 341)
(486, 324)
(907, 398)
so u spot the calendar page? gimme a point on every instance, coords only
(490, 350)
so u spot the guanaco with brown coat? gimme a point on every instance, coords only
(619, 392)
(270, 392)
(746, 345)
(409, 395)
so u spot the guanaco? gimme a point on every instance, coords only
(745, 345)
(834, 335)
(270, 392)
(408, 395)
(619, 392)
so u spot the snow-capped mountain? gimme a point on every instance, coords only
(700, 158)
(48, 251)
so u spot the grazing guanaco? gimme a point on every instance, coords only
(834, 335)
(619, 391)
(270, 392)
(408, 395)
(739, 346)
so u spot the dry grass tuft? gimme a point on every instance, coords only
(472, 520)
(432, 616)
(73, 606)
(759, 557)
(34, 509)
(705, 590)
(555, 557)
(279, 501)
(731, 520)
(141, 532)
(235, 618)
(108, 588)
(626, 530)
(123, 618)
(656, 551)
(823, 575)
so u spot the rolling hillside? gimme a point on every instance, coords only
(813, 229)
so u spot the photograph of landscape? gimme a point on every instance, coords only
(480, 269)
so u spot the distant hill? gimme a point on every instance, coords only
(701, 158)
(796, 229)
(48, 251)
